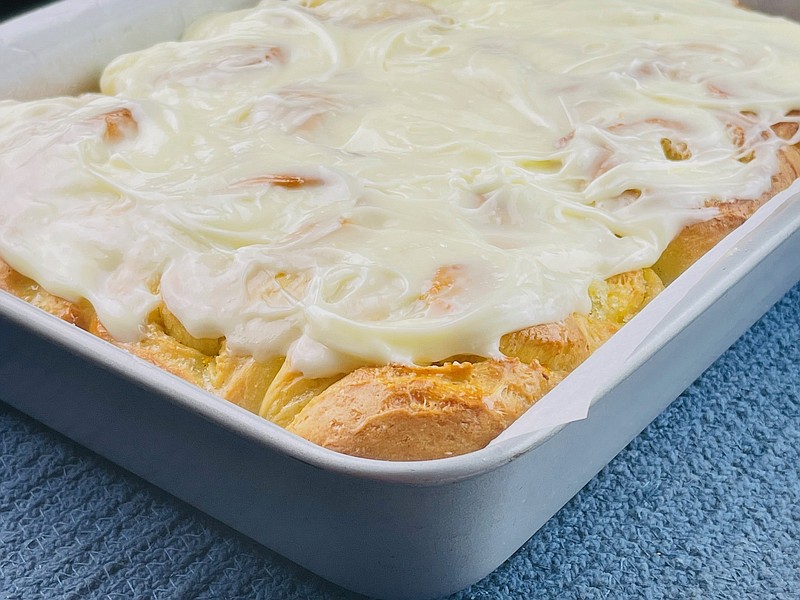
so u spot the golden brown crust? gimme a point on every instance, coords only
(161, 349)
(418, 413)
(559, 346)
(30, 291)
(562, 346)
(242, 379)
(289, 392)
(695, 240)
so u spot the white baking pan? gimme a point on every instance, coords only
(393, 530)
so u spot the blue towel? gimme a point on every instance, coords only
(704, 504)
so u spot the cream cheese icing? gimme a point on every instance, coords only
(363, 182)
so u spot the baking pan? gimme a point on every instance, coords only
(392, 530)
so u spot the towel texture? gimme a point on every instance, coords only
(704, 504)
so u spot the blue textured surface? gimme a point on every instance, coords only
(704, 504)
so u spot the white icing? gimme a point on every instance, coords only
(464, 163)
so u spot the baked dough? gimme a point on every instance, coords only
(406, 411)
